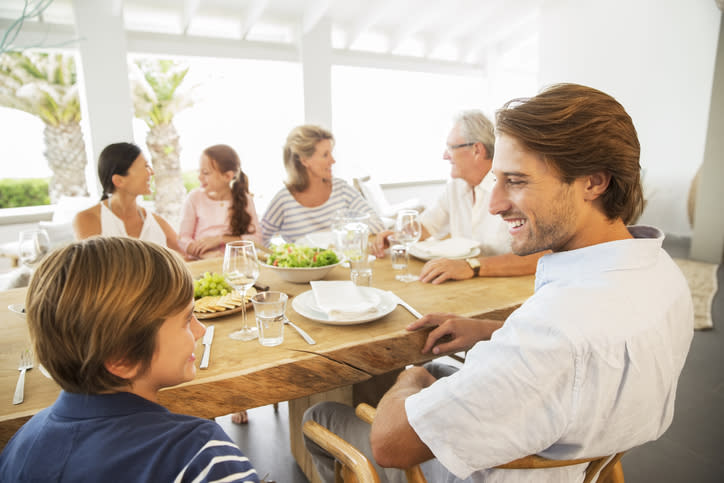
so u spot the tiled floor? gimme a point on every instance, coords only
(690, 451)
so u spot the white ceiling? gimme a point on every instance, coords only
(465, 32)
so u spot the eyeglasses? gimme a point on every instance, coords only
(449, 147)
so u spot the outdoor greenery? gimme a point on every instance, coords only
(44, 85)
(191, 180)
(23, 192)
(157, 98)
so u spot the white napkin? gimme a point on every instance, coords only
(450, 247)
(343, 301)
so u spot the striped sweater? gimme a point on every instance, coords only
(286, 217)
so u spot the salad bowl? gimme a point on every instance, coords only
(299, 263)
(301, 274)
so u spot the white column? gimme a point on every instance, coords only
(103, 75)
(316, 57)
(707, 243)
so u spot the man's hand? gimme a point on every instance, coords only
(441, 269)
(453, 333)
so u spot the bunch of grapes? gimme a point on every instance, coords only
(211, 284)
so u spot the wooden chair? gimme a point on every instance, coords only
(351, 465)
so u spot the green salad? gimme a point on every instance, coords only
(293, 256)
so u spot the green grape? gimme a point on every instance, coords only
(211, 284)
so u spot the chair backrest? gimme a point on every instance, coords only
(606, 469)
(375, 196)
(351, 465)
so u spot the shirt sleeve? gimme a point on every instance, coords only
(271, 223)
(512, 398)
(188, 222)
(436, 219)
(219, 459)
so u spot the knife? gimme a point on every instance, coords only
(208, 337)
(405, 304)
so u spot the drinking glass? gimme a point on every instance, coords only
(407, 231)
(352, 232)
(34, 245)
(241, 269)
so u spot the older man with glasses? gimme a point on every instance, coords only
(462, 209)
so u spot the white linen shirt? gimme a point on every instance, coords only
(455, 213)
(588, 366)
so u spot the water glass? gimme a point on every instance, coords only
(361, 271)
(269, 309)
(398, 255)
(407, 231)
(352, 232)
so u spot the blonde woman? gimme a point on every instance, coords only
(311, 194)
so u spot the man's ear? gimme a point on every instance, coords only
(122, 368)
(596, 184)
(481, 150)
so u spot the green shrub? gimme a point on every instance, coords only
(191, 180)
(23, 192)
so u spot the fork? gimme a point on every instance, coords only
(26, 362)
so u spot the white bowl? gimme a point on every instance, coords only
(301, 275)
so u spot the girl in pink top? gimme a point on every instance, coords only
(222, 209)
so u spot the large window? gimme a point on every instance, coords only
(22, 146)
(393, 124)
(250, 105)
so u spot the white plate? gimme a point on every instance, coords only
(424, 256)
(17, 308)
(305, 305)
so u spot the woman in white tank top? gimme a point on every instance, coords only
(124, 174)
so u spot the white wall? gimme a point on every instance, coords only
(657, 58)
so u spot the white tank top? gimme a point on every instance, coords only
(111, 225)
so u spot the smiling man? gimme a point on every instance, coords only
(589, 365)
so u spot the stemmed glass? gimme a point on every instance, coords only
(33, 246)
(407, 231)
(241, 269)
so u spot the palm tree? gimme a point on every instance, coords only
(44, 85)
(157, 99)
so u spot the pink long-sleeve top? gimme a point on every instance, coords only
(203, 217)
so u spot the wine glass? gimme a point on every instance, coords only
(241, 269)
(34, 245)
(407, 231)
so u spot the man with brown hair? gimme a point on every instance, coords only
(589, 365)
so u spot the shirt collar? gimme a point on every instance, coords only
(83, 406)
(640, 251)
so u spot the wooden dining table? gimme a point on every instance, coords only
(244, 375)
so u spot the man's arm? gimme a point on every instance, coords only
(507, 265)
(394, 443)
